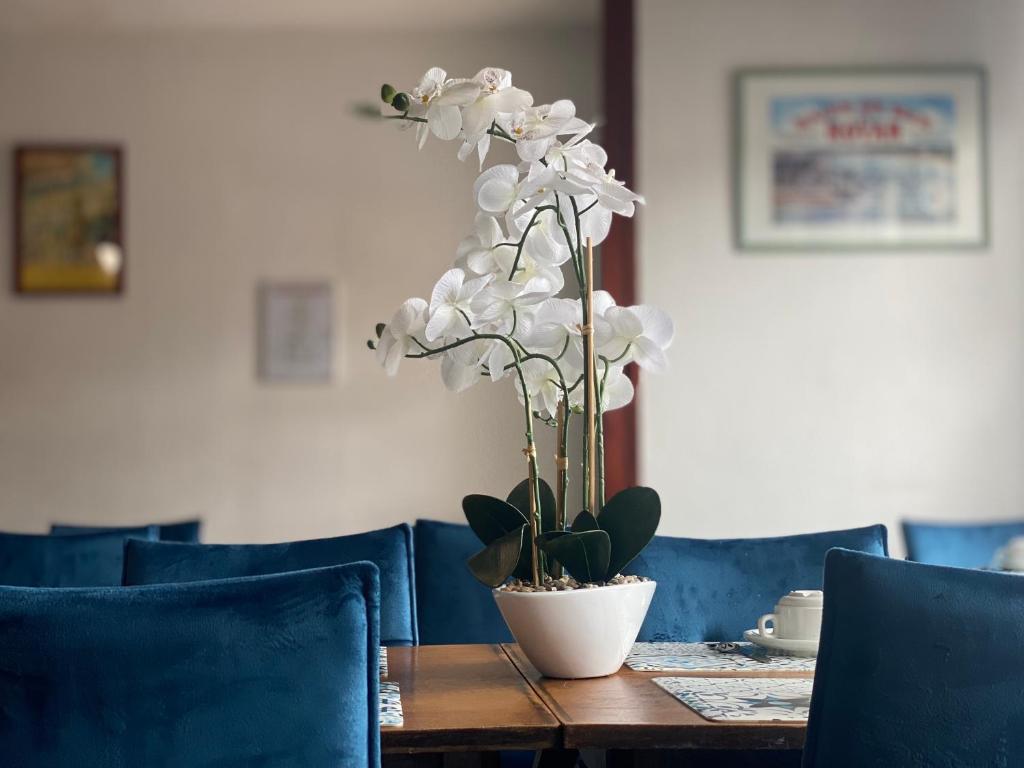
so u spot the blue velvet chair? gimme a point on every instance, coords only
(714, 589)
(275, 670)
(919, 665)
(964, 546)
(89, 560)
(453, 607)
(186, 530)
(149, 562)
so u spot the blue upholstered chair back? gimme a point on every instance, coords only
(389, 548)
(453, 607)
(964, 546)
(714, 589)
(186, 530)
(919, 665)
(91, 560)
(264, 671)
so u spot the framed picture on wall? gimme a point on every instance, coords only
(860, 159)
(294, 331)
(68, 219)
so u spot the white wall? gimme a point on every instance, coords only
(824, 391)
(243, 163)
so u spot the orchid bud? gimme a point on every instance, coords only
(370, 344)
(379, 329)
(401, 102)
(387, 93)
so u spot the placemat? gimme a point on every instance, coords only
(383, 661)
(749, 699)
(666, 657)
(390, 704)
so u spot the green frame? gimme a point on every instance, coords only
(741, 75)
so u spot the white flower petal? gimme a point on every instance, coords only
(649, 355)
(658, 326)
(445, 121)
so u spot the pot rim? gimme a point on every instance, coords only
(497, 591)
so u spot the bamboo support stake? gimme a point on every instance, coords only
(591, 414)
(561, 478)
(531, 463)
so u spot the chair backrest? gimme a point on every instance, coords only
(964, 546)
(389, 548)
(918, 665)
(453, 607)
(714, 589)
(90, 560)
(265, 671)
(186, 530)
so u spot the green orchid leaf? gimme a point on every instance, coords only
(585, 555)
(630, 518)
(584, 522)
(550, 536)
(490, 517)
(495, 563)
(520, 499)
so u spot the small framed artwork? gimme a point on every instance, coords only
(294, 331)
(68, 219)
(860, 159)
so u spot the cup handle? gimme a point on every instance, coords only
(762, 629)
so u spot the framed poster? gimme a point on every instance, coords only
(860, 159)
(68, 219)
(294, 331)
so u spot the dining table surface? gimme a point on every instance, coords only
(463, 703)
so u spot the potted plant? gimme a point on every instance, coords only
(497, 314)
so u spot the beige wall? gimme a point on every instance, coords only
(245, 163)
(811, 392)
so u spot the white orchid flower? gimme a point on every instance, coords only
(400, 335)
(535, 128)
(616, 388)
(504, 302)
(477, 252)
(497, 189)
(542, 384)
(496, 97)
(461, 366)
(641, 333)
(529, 270)
(615, 392)
(546, 240)
(450, 304)
(439, 99)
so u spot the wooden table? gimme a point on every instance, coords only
(462, 703)
(463, 699)
(628, 711)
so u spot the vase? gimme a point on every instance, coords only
(579, 632)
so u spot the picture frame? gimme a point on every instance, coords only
(295, 320)
(860, 158)
(68, 219)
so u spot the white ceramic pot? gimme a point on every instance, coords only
(578, 632)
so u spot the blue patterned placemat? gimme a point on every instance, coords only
(383, 661)
(698, 657)
(748, 699)
(390, 704)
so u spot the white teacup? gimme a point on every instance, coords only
(797, 616)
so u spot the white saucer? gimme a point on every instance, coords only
(784, 647)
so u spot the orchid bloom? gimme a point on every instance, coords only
(641, 333)
(478, 251)
(400, 335)
(542, 386)
(450, 304)
(439, 99)
(497, 96)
